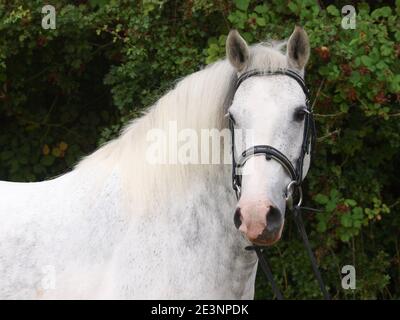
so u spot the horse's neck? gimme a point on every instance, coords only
(196, 198)
(189, 241)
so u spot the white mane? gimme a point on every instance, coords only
(198, 101)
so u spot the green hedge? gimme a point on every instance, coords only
(65, 91)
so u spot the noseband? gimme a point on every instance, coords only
(295, 172)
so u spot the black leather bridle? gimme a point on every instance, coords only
(295, 172)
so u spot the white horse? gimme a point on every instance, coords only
(119, 227)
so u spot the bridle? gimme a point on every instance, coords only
(295, 172)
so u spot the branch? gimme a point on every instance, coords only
(317, 94)
(337, 131)
(331, 115)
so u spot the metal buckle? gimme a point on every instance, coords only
(236, 188)
(289, 194)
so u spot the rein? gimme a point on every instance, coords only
(294, 171)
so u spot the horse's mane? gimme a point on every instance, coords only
(198, 101)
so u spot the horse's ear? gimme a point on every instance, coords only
(298, 49)
(237, 50)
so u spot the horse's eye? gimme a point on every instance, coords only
(300, 113)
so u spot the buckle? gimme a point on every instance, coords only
(289, 194)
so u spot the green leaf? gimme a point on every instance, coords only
(321, 198)
(344, 237)
(330, 206)
(102, 3)
(321, 226)
(261, 9)
(357, 223)
(366, 61)
(332, 10)
(381, 65)
(358, 213)
(261, 22)
(242, 4)
(346, 220)
(334, 194)
(293, 7)
(350, 202)
(381, 12)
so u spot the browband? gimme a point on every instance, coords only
(294, 75)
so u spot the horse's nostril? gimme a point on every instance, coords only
(274, 219)
(237, 218)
